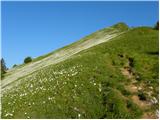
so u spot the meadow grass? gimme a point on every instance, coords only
(90, 84)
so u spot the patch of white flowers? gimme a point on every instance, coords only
(36, 83)
(154, 100)
(8, 114)
(23, 94)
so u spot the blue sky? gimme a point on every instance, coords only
(36, 28)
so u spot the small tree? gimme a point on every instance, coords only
(27, 60)
(156, 27)
(3, 68)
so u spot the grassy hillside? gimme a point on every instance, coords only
(116, 79)
(63, 53)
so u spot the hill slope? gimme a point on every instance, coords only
(64, 53)
(114, 79)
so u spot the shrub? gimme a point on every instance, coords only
(27, 60)
(14, 65)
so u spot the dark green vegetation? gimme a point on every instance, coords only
(15, 65)
(95, 83)
(3, 68)
(156, 27)
(27, 60)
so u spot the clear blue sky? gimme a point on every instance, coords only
(36, 28)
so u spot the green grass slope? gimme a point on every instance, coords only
(116, 79)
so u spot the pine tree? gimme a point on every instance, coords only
(3, 68)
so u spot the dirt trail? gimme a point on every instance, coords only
(134, 89)
(53, 59)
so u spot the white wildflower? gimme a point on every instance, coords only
(8, 114)
(154, 100)
(151, 87)
(76, 109)
(157, 113)
(49, 98)
(31, 86)
(79, 115)
(139, 88)
(100, 88)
